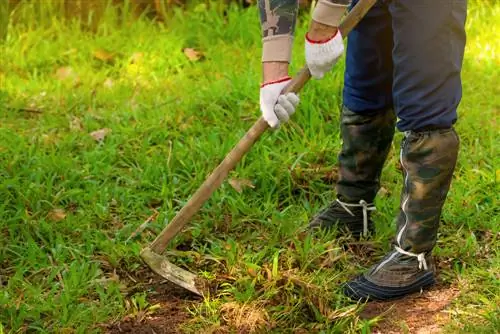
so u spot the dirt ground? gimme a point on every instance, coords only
(417, 314)
(172, 300)
(421, 313)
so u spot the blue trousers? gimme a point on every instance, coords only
(408, 54)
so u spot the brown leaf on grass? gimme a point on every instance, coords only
(384, 192)
(108, 83)
(56, 215)
(192, 54)
(99, 135)
(103, 55)
(67, 74)
(252, 272)
(136, 57)
(75, 124)
(239, 184)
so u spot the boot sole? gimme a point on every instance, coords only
(360, 289)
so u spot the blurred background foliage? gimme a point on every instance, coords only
(89, 13)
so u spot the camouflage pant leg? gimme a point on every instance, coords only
(428, 159)
(366, 140)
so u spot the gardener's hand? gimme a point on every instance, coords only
(324, 47)
(277, 107)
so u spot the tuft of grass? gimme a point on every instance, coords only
(102, 132)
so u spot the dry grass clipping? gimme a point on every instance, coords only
(245, 318)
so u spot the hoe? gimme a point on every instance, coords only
(152, 253)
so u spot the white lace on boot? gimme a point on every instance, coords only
(422, 264)
(366, 207)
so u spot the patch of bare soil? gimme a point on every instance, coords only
(419, 314)
(165, 318)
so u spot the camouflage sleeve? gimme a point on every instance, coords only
(278, 18)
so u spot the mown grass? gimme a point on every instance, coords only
(69, 203)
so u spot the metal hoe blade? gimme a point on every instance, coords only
(171, 272)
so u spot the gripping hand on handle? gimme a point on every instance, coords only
(277, 107)
(321, 56)
(323, 44)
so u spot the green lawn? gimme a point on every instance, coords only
(69, 202)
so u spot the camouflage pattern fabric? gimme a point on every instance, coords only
(428, 159)
(278, 17)
(366, 140)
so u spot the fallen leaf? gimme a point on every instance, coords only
(384, 192)
(192, 54)
(56, 215)
(66, 73)
(49, 138)
(252, 272)
(76, 124)
(104, 55)
(136, 57)
(239, 184)
(99, 135)
(108, 83)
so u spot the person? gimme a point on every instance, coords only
(403, 70)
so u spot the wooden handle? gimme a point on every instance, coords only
(209, 186)
(231, 160)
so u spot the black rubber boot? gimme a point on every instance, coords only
(366, 140)
(428, 159)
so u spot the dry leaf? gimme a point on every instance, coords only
(56, 215)
(104, 55)
(99, 135)
(252, 272)
(136, 57)
(192, 54)
(76, 124)
(66, 73)
(108, 83)
(383, 192)
(239, 184)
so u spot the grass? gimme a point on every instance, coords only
(69, 203)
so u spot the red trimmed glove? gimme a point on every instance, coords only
(277, 107)
(322, 55)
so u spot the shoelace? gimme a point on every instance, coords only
(366, 207)
(420, 257)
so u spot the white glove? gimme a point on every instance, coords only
(277, 107)
(321, 56)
